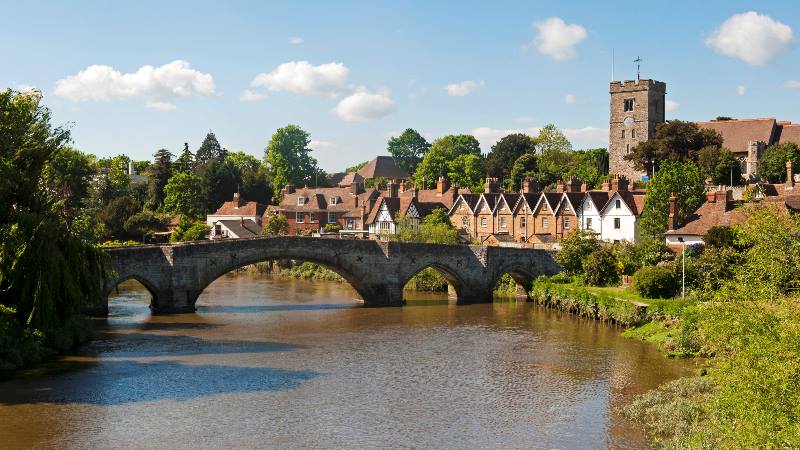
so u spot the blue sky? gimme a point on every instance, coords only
(354, 73)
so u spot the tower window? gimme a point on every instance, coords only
(628, 104)
(633, 134)
(623, 134)
(627, 148)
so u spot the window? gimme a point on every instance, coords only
(566, 223)
(299, 217)
(545, 222)
(503, 222)
(334, 200)
(618, 204)
(312, 217)
(633, 134)
(522, 221)
(627, 148)
(385, 226)
(623, 134)
(483, 222)
(464, 222)
(331, 217)
(301, 200)
(628, 104)
(588, 222)
(351, 224)
(616, 223)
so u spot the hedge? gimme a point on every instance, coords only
(583, 303)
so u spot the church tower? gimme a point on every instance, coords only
(637, 106)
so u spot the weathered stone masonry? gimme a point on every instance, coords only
(175, 275)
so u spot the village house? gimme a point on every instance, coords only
(544, 218)
(236, 219)
(463, 215)
(388, 213)
(524, 224)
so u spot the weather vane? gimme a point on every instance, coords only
(637, 61)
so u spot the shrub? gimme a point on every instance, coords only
(331, 227)
(601, 268)
(720, 237)
(655, 282)
(575, 249)
(276, 226)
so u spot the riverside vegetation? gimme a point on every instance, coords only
(741, 313)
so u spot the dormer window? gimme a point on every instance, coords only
(335, 200)
(301, 200)
(618, 204)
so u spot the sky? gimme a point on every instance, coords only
(133, 77)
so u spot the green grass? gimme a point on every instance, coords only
(653, 332)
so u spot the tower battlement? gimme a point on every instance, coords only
(636, 85)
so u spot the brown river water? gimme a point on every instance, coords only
(267, 363)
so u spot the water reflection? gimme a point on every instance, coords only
(270, 363)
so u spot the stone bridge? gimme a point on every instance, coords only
(176, 274)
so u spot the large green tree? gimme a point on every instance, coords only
(467, 171)
(185, 194)
(525, 166)
(772, 165)
(673, 141)
(554, 154)
(288, 158)
(500, 159)
(254, 182)
(47, 272)
(67, 175)
(209, 149)
(408, 149)
(185, 161)
(686, 181)
(719, 165)
(437, 161)
(159, 174)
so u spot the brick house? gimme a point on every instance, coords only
(463, 215)
(236, 219)
(544, 218)
(385, 217)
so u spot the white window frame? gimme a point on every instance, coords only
(523, 221)
(334, 200)
(617, 223)
(384, 225)
(312, 217)
(464, 223)
(483, 222)
(545, 222)
(588, 222)
(502, 221)
(299, 217)
(331, 217)
(301, 201)
(566, 223)
(351, 224)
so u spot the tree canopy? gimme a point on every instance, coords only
(440, 160)
(685, 180)
(675, 140)
(288, 158)
(505, 152)
(772, 165)
(408, 149)
(209, 149)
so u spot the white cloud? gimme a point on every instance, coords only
(754, 38)
(251, 96)
(322, 145)
(558, 39)
(463, 88)
(157, 84)
(569, 99)
(792, 84)
(580, 137)
(163, 106)
(671, 105)
(364, 105)
(740, 89)
(301, 77)
(296, 40)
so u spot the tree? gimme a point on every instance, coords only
(575, 250)
(436, 162)
(408, 149)
(67, 175)
(116, 213)
(47, 272)
(143, 224)
(221, 179)
(185, 162)
(551, 139)
(719, 165)
(554, 154)
(685, 180)
(720, 237)
(160, 173)
(601, 267)
(673, 141)
(187, 230)
(356, 168)
(209, 149)
(288, 158)
(185, 194)
(525, 166)
(253, 177)
(276, 226)
(467, 171)
(772, 165)
(505, 152)
(589, 166)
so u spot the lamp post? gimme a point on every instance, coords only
(683, 275)
(732, 165)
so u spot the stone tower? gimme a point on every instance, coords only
(637, 106)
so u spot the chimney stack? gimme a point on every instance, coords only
(237, 199)
(789, 175)
(402, 186)
(560, 187)
(289, 189)
(606, 185)
(672, 222)
(442, 185)
(711, 197)
(391, 188)
(619, 183)
(574, 184)
(530, 186)
(491, 186)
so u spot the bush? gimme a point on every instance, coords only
(720, 237)
(276, 226)
(332, 227)
(601, 268)
(655, 282)
(575, 250)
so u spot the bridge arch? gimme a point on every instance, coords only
(454, 281)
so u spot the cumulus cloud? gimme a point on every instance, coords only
(569, 99)
(463, 88)
(321, 145)
(740, 89)
(364, 105)
(157, 84)
(251, 96)
(558, 39)
(791, 84)
(580, 137)
(301, 77)
(671, 105)
(751, 37)
(296, 40)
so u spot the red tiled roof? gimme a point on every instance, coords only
(790, 133)
(737, 133)
(382, 166)
(349, 179)
(233, 208)
(397, 207)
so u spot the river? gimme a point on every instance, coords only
(287, 364)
